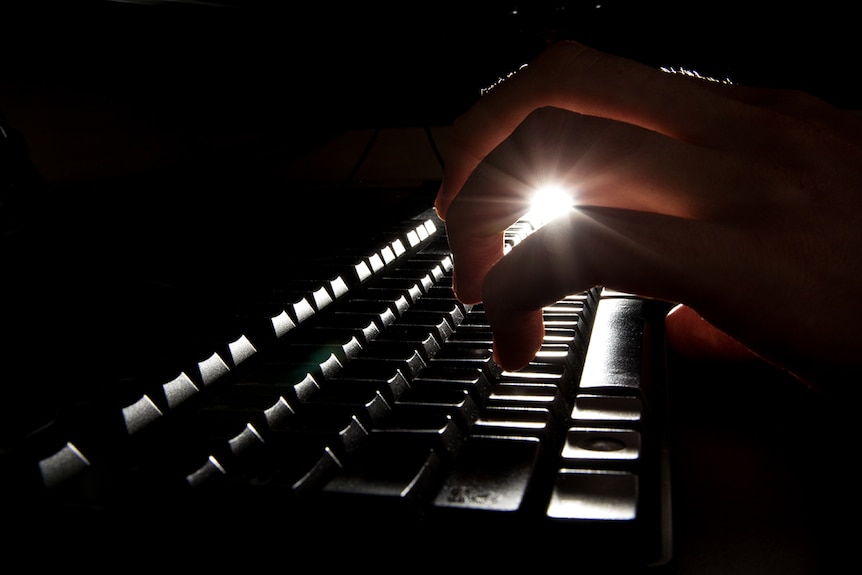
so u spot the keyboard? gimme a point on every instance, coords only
(360, 393)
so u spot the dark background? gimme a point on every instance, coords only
(196, 79)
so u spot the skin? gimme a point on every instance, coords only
(741, 204)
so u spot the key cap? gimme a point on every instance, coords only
(472, 379)
(363, 328)
(556, 374)
(433, 267)
(458, 355)
(424, 279)
(273, 383)
(290, 461)
(423, 430)
(509, 461)
(352, 265)
(404, 350)
(228, 414)
(419, 333)
(380, 312)
(315, 342)
(455, 402)
(527, 394)
(601, 447)
(382, 376)
(426, 310)
(413, 288)
(517, 421)
(385, 483)
(397, 300)
(613, 360)
(406, 359)
(607, 410)
(594, 495)
(366, 403)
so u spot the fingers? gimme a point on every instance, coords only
(600, 163)
(688, 191)
(718, 270)
(614, 248)
(574, 77)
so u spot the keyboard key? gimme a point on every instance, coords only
(604, 410)
(423, 430)
(526, 394)
(378, 311)
(383, 376)
(386, 481)
(363, 328)
(454, 402)
(472, 355)
(290, 461)
(419, 333)
(613, 360)
(601, 447)
(517, 421)
(594, 495)
(510, 461)
(367, 404)
(458, 377)
(317, 342)
(404, 350)
(404, 358)
(398, 301)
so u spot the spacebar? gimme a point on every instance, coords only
(616, 350)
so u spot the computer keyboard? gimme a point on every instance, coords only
(361, 393)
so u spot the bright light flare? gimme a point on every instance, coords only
(548, 203)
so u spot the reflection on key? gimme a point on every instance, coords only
(179, 389)
(63, 464)
(282, 323)
(205, 473)
(529, 394)
(240, 350)
(455, 376)
(590, 445)
(387, 254)
(384, 478)
(455, 402)
(616, 346)
(594, 495)
(516, 421)
(302, 310)
(510, 461)
(140, 414)
(379, 311)
(212, 368)
(614, 409)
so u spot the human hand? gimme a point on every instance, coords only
(741, 203)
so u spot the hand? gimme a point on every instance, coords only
(744, 204)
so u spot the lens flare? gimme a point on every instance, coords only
(548, 203)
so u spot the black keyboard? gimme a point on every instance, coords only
(360, 393)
